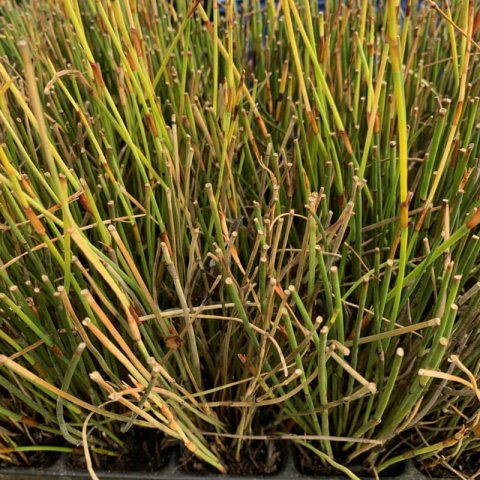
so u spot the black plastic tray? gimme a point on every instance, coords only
(62, 469)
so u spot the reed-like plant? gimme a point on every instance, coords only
(259, 224)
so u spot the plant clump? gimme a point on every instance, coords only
(241, 225)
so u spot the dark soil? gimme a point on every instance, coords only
(145, 450)
(258, 458)
(307, 463)
(33, 459)
(468, 465)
